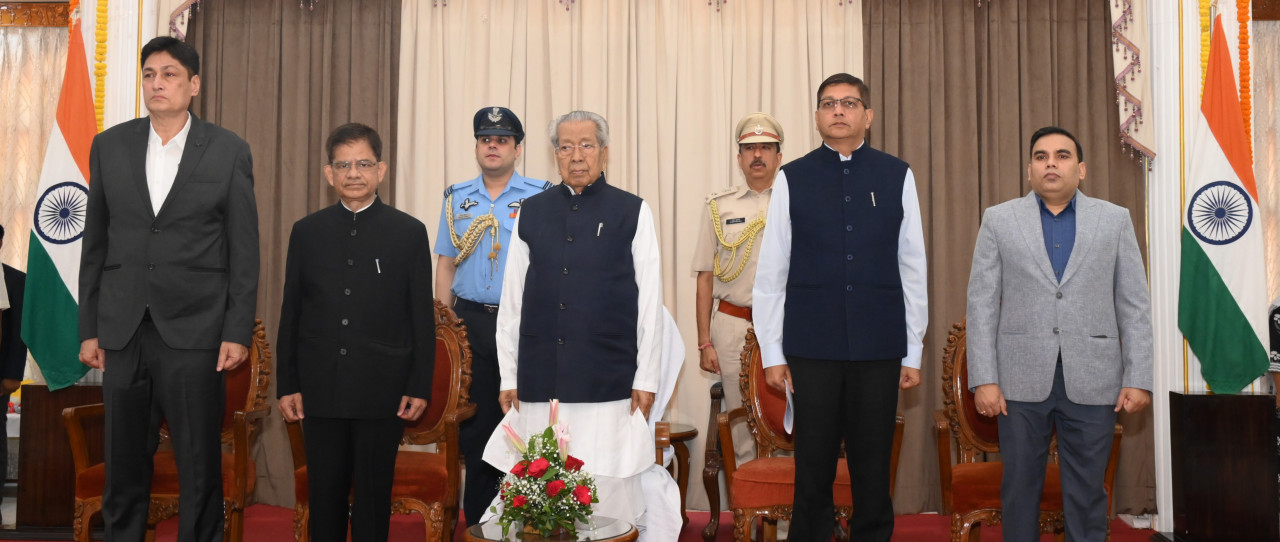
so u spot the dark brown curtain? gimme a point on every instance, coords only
(957, 91)
(282, 77)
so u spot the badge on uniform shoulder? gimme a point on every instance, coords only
(739, 220)
(467, 204)
(515, 207)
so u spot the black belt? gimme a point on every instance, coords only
(468, 304)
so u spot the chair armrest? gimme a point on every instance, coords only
(724, 423)
(711, 462)
(942, 429)
(73, 419)
(240, 448)
(297, 445)
(661, 439)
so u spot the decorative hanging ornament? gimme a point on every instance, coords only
(566, 4)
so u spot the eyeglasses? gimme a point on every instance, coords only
(587, 149)
(847, 103)
(362, 165)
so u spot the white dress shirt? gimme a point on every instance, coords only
(770, 291)
(162, 163)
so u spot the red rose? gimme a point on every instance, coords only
(538, 467)
(583, 494)
(573, 463)
(555, 487)
(519, 469)
(519, 501)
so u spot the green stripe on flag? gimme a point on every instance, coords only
(1210, 318)
(51, 321)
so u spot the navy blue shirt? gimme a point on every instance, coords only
(1059, 234)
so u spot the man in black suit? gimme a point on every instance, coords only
(168, 286)
(357, 339)
(13, 352)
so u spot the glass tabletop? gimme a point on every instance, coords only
(597, 528)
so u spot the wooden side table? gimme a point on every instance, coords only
(680, 434)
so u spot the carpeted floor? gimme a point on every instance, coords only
(265, 523)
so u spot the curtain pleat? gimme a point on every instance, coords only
(282, 78)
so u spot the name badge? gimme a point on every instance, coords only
(735, 221)
(462, 216)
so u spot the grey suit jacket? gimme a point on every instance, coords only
(1019, 316)
(195, 263)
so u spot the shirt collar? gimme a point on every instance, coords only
(1071, 205)
(180, 140)
(357, 211)
(844, 158)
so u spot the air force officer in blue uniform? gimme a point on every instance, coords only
(475, 227)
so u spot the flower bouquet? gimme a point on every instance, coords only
(546, 492)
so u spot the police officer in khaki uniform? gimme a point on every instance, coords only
(725, 260)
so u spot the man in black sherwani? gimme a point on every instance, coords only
(357, 339)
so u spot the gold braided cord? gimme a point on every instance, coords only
(100, 64)
(748, 236)
(1204, 42)
(1246, 94)
(471, 238)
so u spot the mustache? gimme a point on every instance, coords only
(757, 162)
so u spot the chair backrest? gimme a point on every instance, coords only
(451, 380)
(246, 385)
(765, 405)
(976, 434)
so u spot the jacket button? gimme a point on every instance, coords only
(847, 199)
(564, 271)
(151, 266)
(848, 288)
(1056, 331)
(353, 233)
(569, 238)
(350, 262)
(560, 341)
(848, 228)
(562, 306)
(155, 230)
(574, 207)
(848, 257)
(346, 291)
(1059, 295)
(345, 321)
(846, 171)
(342, 351)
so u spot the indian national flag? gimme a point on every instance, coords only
(1222, 298)
(49, 317)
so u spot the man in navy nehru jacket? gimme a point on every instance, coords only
(581, 317)
(841, 305)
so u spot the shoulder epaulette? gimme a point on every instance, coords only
(449, 190)
(546, 185)
(720, 193)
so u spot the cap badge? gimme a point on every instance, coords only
(495, 114)
(759, 129)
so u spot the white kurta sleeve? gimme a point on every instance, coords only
(769, 295)
(644, 255)
(912, 271)
(507, 338)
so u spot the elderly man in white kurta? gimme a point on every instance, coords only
(581, 319)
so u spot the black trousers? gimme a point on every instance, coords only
(143, 383)
(855, 402)
(1084, 447)
(481, 484)
(350, 458)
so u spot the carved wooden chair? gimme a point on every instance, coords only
(765, 487)
(971, 487)
(426, 483)
(246, 402)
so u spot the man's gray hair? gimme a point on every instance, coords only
(602, 126)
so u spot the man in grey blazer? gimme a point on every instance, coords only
(168, 288)
(1059, 333)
